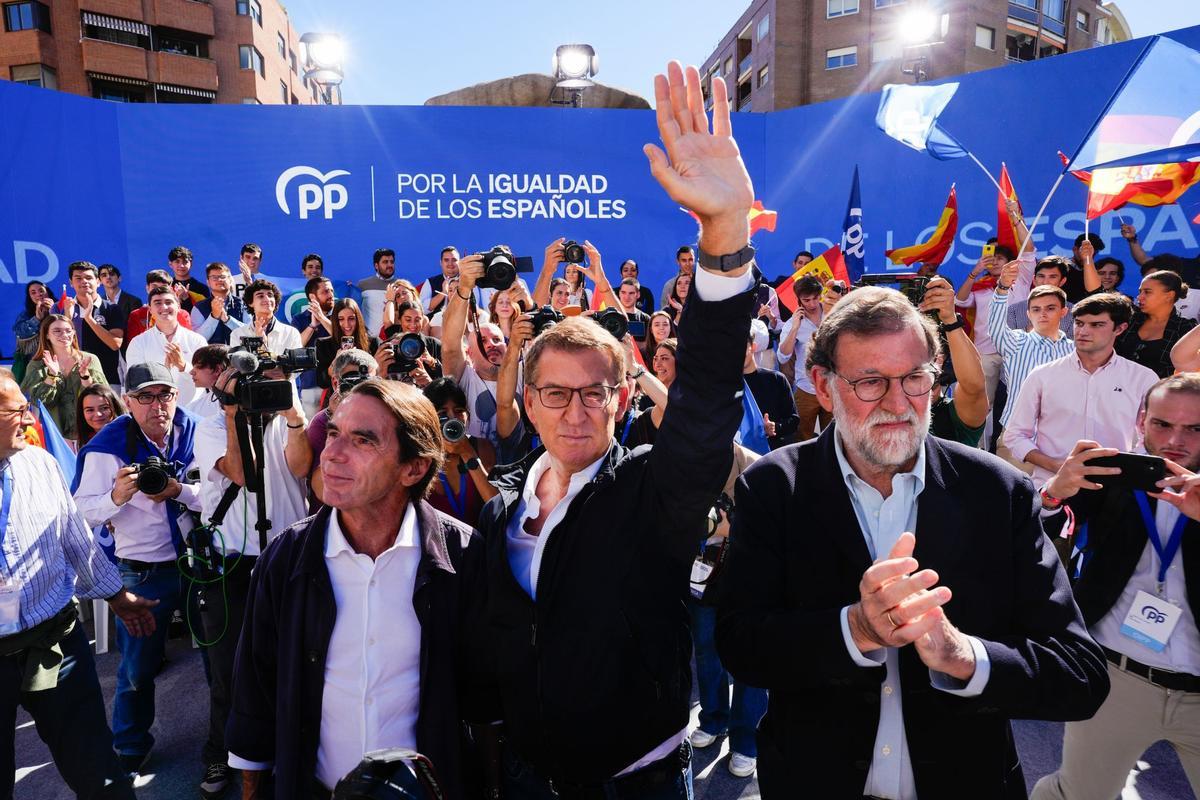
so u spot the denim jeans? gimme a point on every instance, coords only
(716, 714)
(70, 720)
(141, 658)
(521, 783)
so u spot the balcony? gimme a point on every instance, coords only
(185, 15)
(744, 66)
(114, 59)
(122, 9)
(200, 73)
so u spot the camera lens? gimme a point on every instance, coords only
(573, 253)
(411, 346)
(453, 430)
(152, 479)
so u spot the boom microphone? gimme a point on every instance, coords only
(244, 362)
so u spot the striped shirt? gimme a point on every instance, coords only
(47, 543)
(1021, 350)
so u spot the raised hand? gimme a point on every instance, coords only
(217, 309)
(939, 298)
(53, 368)
(1181, 489)
(1087, 250)
(595, 267)
(701, 170)
(1075, 472)
(174, 357)
(1009, 274)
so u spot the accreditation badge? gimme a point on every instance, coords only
(1151, 621)
(10, 606)
(700, 572)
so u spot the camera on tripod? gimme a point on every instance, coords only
(256, 393)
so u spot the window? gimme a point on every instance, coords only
(180, 45)
(281, 45)
(292, 59)
(138, 34)
(888, 3)
(885, 50)
(985, 37)
(26, 17)
(250, 58)
(763, 75)
(764, 27)
(35, 75)
(250, 8)
(1025, 3)
(1055, 9)
(118, 92)
(728, 66)
(283, 93)
(840, 8)
(842, 57)
(250, 101)
(1082, 21)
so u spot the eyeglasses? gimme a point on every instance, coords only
(147, 399)
(914, 384)
(595, 396)
(19, 413)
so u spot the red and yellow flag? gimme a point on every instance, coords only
(1006, 232)
(826, 267)
(760, 218)
(934, 249)
(1147, 185)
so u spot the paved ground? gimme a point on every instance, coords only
(174, 769)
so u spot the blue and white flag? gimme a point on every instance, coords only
(752, 433)
(909, 114)
(853, 238)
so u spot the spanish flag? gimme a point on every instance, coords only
(826, 267)
(1006, 232)
(760, 218)
(1147, 185)
(934, 249)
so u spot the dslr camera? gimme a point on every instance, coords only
(352, 379)
(406, 352)
(254, 392)
(909, 284)
(545, 317)
(573, 252)
(500, 268)
(453, 430)
(613, 321)
(154, 474)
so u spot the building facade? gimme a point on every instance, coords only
(159, 51)
(786, 53)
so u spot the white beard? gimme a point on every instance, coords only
(885, 450)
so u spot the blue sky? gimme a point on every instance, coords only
(401, 52)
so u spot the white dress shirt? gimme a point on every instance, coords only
(1182, 653)
(881, 521)
(150, 346)
(140, 527)
(286, 501)
(1061, 403)
(281, 337)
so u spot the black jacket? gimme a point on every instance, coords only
(596, 674)
(1116, 537)
(280, 670)
(773, 394)
(795, 559)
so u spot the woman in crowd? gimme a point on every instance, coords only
(645, 427)
(59, 371)
(1156, 326)
(398, 291)
(660, 328)
(504, 310)
(96, 406)
(462, 486)
(577, 294)
(349, 330)
(560, 293)
(679, 294)
(39, 300)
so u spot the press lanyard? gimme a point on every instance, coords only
(459, 504)
(4, 507)
(1166, 553)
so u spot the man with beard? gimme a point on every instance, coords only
(894, 667)
(477, 368)
(1132, 561)
(374, 288)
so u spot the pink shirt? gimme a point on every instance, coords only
(1061, 403)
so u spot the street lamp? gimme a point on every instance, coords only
(324, 57)
(920, 29)
(574, 66)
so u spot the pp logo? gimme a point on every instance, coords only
(325, 197)
(1152, 614)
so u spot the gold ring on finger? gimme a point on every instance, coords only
(891, 621)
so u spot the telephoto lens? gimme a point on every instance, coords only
(453, 430)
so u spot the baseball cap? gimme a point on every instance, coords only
(139, 376)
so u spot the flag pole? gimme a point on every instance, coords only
(985, 171)
(1046, 202)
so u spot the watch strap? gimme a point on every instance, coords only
(953, 326)
(727, 262)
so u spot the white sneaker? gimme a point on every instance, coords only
(702, 738)
(742, 766)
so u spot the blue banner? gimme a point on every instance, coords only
(107, 182)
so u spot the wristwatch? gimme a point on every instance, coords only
(953, 326)
(727, 262)
(636, 375)
(468, 465)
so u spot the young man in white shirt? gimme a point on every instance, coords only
(167, 342)
(263, 297)
(793, 344)
(1093, 394)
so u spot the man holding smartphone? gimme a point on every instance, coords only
(1140, 565)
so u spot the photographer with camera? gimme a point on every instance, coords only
(462, 486)
(405, 356)
(131, 475)
(362, 625)
(350, 367)
(283, 463)
(1139, 576)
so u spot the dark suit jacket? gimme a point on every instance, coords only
(1116, 537)
(795, 560)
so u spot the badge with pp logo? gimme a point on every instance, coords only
(1150, 621)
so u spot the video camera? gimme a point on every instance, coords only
(909, 284)
(255, 393)
(500, 268)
